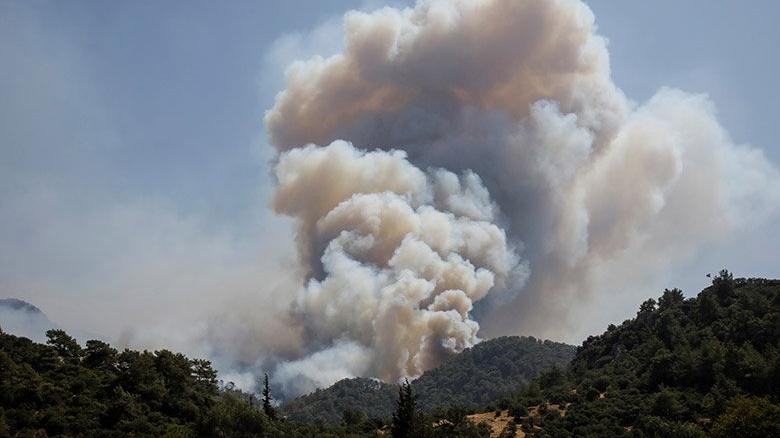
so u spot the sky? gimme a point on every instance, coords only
(134, 171)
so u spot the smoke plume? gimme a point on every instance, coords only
(396, 256)
(460, 154)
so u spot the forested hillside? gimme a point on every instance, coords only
(477, 376)
(703, 366)
(368, 397)
(64, 389)
(708, 365)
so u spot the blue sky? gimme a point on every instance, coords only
(134, 157)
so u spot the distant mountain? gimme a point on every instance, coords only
(477, 376)
(23, 319)
(17, 304)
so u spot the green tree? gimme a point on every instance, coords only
(99, 355)
(268, 408)
(670, 298)
(404, 415)
(353, 417)
(65, 346)
(748, 417)
(724, 286)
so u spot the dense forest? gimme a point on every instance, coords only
(704, 366)
(476, 376)
(64, 389)
(368, 397)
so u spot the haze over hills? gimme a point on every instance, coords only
(23, 319)
(429, 177)
(475, 377)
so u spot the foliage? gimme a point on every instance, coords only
(748, 417)
(64, 389)
(681, 367)
(704, 366)
(476, 376)
(489, 370)
(410, 422)
(268, 408)
(405, 412)
(372, 398)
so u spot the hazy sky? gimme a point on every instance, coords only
(133, 162)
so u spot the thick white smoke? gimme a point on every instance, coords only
(397, 257)
(479, 113)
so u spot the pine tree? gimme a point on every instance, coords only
(267, 406)
(403, 417)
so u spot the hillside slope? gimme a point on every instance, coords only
(66, 389)
(708, 365)
(476, 376)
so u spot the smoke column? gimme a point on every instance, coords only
(396, 257)
(460, 154)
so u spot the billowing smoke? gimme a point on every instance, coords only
(396, 256)
(460, 154)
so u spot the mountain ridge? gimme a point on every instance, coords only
(476, 376)
(17, 304)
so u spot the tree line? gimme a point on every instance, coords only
(682, 367)
(702, 366)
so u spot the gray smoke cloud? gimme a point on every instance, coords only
(460, 154)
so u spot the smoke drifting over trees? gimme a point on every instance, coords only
(475, 153)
